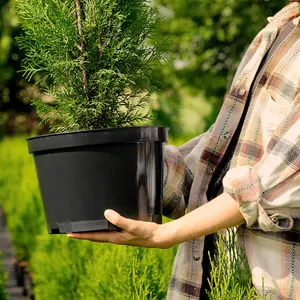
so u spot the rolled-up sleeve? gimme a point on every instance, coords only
(180, 164)
(268, 194)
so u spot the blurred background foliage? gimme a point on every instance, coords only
(207, 40)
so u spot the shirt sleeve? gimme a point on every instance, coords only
(268, 194)
(180, 165)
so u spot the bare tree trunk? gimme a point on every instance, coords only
(81, 46)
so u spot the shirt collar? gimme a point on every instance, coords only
(290, 11)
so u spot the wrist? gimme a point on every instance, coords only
(165, 235)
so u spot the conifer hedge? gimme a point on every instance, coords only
(68, 269)
(3, 277)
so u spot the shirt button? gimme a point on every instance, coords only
(242, 91)
(263, 80)
(209, 170)
(226, 135)
(196, 257)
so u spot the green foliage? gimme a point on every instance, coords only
(147, 281)
(68, 269)
(96, 57)
(19, 194)
(230, 274)
(3, 279)
(8, 25)
(13, 103)
(84, 270)
(208, 40)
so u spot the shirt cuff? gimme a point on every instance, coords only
(243, 185)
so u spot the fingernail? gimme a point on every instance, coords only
(108, 214)
(70, 235)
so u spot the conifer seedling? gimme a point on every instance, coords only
(95, 59)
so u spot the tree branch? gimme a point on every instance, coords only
(81, 46)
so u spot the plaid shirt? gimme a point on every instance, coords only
(264, 175)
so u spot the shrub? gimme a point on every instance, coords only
(3, 278)
(68, 269)
(96, 58)
(91, 271)
(230, 274)
(19, 196)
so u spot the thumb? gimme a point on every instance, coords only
(117, 220)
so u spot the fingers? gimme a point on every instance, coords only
(103, 237)
(91, 236)
(116, 219)
(119, 238)
(135, 233)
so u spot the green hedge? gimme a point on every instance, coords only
(71, 269)
(19, 196)
(3, 278)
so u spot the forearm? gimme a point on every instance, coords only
(220, 213)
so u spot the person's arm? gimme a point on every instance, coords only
(180, 164)
(220, 213)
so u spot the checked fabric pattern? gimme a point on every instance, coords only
(264, 176)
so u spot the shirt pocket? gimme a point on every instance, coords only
(273, 114)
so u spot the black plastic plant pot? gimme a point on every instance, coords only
(83, 173)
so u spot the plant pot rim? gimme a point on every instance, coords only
(120, 135)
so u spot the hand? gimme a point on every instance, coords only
(133, 233)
